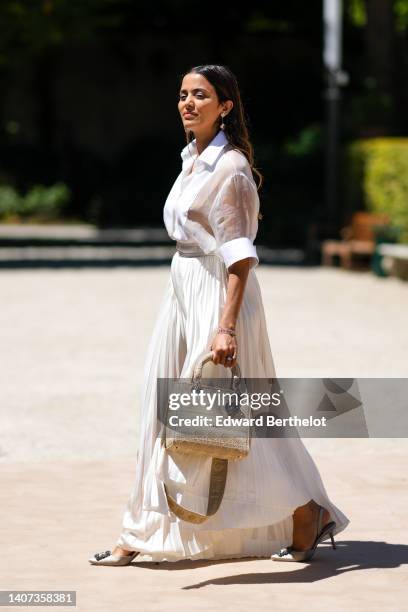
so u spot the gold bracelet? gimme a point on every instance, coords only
(225, 330)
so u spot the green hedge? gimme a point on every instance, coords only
(39, 203)
(377, 179)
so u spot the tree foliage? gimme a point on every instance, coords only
(28, 27)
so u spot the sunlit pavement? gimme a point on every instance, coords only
(73, 346)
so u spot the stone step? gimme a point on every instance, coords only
(65, 236)
(111, 254)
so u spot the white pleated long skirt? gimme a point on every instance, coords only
(264, 489)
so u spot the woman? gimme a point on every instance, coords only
(274, 499)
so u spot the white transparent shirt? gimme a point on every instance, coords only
(215, 206)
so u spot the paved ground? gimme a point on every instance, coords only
(73, 344)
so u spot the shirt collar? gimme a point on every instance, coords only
(211, 151)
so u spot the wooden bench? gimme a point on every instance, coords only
(358, 240)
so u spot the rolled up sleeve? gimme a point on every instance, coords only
(234, 220)
(237, 249)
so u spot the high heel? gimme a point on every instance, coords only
(290, 554)
(106, 558)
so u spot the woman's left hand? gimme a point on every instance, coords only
(224, 346)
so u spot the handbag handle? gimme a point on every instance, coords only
(218, 478)
(198, 370)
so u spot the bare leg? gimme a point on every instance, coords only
(305, 525)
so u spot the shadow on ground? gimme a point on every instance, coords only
(326, 563)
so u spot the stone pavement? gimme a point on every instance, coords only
(73, 344)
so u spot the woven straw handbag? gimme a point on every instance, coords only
(230, 442)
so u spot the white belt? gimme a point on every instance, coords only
(186, 249)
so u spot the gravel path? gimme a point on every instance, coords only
(73, 345)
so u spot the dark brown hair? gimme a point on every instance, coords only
(236, 131)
